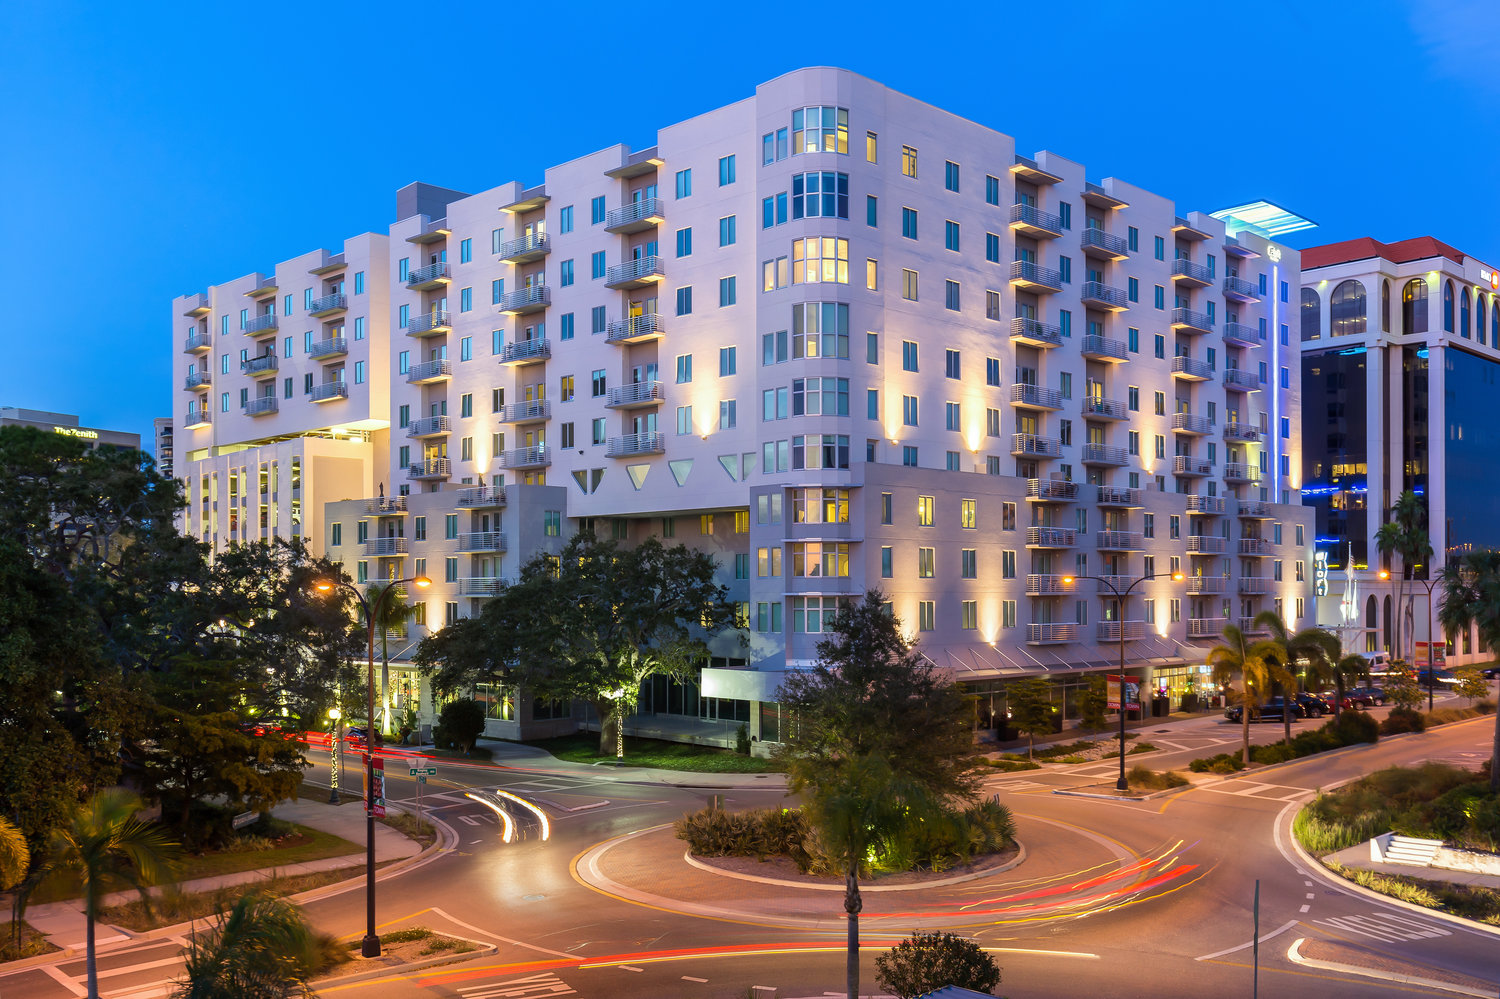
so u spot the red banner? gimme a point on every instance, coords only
(375, 798)
(1112, 691)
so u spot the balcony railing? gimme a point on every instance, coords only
(629, 445)
(197, 380)
(1243, 335)
(263, 364)
(1032, 221)
(527, 411)
(329, 304)
(1104, 296)
(1035, 332)
(636, 216)
(1037, 447)
(1240, 290)
(1206, 544)
(634, 273)
(532, 246)
(1115, 631)
(1206, 627)
(385, 546)
(637, 394)
(1202, 585)
(197, 418)
(481, 496)
(262, 406)
(1192, 272)
(1192, 368)
(1051, 633)
(428, 426)
(430, 323)
(331, 347)
(260, 324)
(1045, 585)
(1188, 423)
(1253, 509)
(1186, 464)
(1103, 348)
(1114, 587)
(1211, 506)
(430, 468)
(524, 300)
(1119, 541)
(198, 341)
(432, 276)
(1035, 396)
(526, 351)
(429, 371)
(1241, 380)
(328, 391)
(1191, 321)
(1118, 496)
(1256, 546)
(1105, 409)
(481, 541)
(479, 586)
(1029, 274)
(1057, 490)
(1051, 537)
(1241, 432)
(1238, 471)
(1099, 243)
(1104, 454)
(1252, 585)
(634, 329)
(1250, 626)
(535, 456)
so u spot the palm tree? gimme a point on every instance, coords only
(15, 855)
(1471, 596)
(1259, 666)
(102, 848)
(1350, 666)
(392, 618)
(260, 949)
(1404, 534)
(1310, 645)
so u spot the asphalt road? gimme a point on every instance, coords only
(1184, 930)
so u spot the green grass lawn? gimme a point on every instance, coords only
(583, 747)
(310, 844)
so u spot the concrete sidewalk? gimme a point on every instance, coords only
(519, 756)
(64, 925)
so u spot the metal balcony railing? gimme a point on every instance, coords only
(538, 296)
(1238, 471)
(1209, 505)
(1252, 585)
(1188, 423)
(534, 456)
(1254, 509)
(1240, 333)
(1242, 432)
(1250, 626)
(260, 324)
(1119, 541)
(1034, 220)
(1117, 496)
(1035, 332)
(429, 371)
(1256, 546)
(1050, 585)
(1206, 544)
(532, 246)
(1115, 587)
(481, 541)
(1104, 243)
(261, 406)
(1051, 537)
(1104, 348)
(1238, 378)
(331, 347)
(436, 321)
(1105, 409)
(1104, 295)
(1037, 447)
(198, 341)
(526, 350)
(1051, 632)
(633, 328)
(1104, 454)
(633, 272)
(1060, 490)
(257, 365)
(527, 411)
(328, 391)
(1036, 396)
(1239, 288)
(1201, 585)
(197, 418)
(1192, 321)
(430, 468)
(328, 303)
(385, 546)
(197, 380)
(1192, 367)
(429, 276)
(1191, 270)
(636, 394)
(1186, 464)
(481, 496)
(428, 426)
(1034, 275)
(628, 445)
(479, 586)
(1115, 631)
(635, 216)
(1206, 627)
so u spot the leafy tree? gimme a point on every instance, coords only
(1471, 598)
(1338, 671)
(1401, 687)
(261, 948)
(1030, 703)
(1092, 700)
(926, 962)
(1472, 685)
(104, 848)
(460, 723)
(15, 855)
(466, 652)
(1259, 667)
(1404, 534)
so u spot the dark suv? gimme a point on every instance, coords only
(1313, 706)
(1366, 697)
(1269, 711)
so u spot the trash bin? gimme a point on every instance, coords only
(1161, 706)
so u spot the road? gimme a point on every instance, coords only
(1158, 901)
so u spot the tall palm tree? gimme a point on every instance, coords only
(102, 848)
(1404, 534)
(1471, 596)
(392, 617)
(1345, 666)
(1308, 646)
(15, 855)
(1258, 665)
(260, 949)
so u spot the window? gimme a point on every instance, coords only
(820, 329)
(569, 436)
(684, 420)
(823, 195)
(565, 388)
(359, 282)
(950, 176)
(596, 210)
(909, 223)
(966, 514)
(564, 219)
(909, 456)
(466, 300)
(1346, 310)
(954, 420)
(564, 273)
(727, 295)
(598, 319)
(1159, 297)
(872, 348)
(1133, 340)
(870, 147)
(1007, 516)
(450, 526)
(465, 251)
(1160, 347)
(497, 291)
(598, 383)
(1065, 214)
(685, 301)
(1133, 290)
(726, 230)
(968, 564)
(909, 285)
(950, 296)
(950, 235)
(565, 326)
(685, 242)
(991, 247)
(820, 129)
(684, 183)
(820, 259)
(597, 429)
(727, 414)
(1007, 565)
(872, 276)
(908, 162)
(726, 170)
(924, 511)
(872, 211)
(926, 563)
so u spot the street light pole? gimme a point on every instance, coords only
(370, 946)
(1431, 667)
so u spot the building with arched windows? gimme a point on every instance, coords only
(1400, 342)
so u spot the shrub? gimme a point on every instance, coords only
(1144, 777)
(1355, 726)
(1224, 763)
(924, 962)
(1323, 836)
(459, 724)
(1010, 764)
(742, 740)
(1402, 720)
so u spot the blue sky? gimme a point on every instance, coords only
(154, 149)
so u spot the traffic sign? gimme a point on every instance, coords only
(421, 778)
(429, 771)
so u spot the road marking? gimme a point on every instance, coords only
(1387, 927)
(496, 936)
(1304, 908)
(631, 967)
(472, 841)
(1250, 943)
(690, 978)
(468, 820)
(546, 984)
(52, 971)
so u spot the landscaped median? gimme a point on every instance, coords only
(583, 747)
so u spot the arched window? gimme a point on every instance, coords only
(1494, 322)
(1463, 314)
(1414, 306)
(1448, 306)
(1312, 319)
(1479, 316)
(1372, 623)
(1385, 306)
(1346, 309)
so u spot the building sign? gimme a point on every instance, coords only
(1320, 573)
(1274, 252)
(1489, 277)
(90, 435)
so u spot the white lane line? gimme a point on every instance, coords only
(468, 820)
(1311, 895)
(690, 978)
(476, 841)
(1250, 943)
(630, 967)
(495, 936)
(1304, 908)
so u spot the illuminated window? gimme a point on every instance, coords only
(820, 259)
(908, 161)
(820, 130)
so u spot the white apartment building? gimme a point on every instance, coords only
(842, 339)
(1400, 342)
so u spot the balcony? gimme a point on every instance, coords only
(332, 347)
(1025, 396)
(1256, 546)
(1191, 369)
(263, 286)
(1032, 221)
(1105, 409)
(1051, 490)
(1252, 585)
(525, 300)
(1206, 627)
(638, 216)
(1198, 586)
(1104, 454)
(329, 391)
(260, 367)
(1051, 537)
(1239, 290)
(636, 396)
(429, 277)
(197, 418)
(1051, 633)
(529, 411)
(260, 325)
(1103, 245)
(481, 542)
(263, 406)
(1250, 626)
(631, 445)
(386, 506)
(480, 497)
(1186, 464)
(1035, 332)
(431, 426)
(636, 273)
(1119, 541)
(1114, 588)
(1050, 585)
(1254, 510)
(1191, 273)
(1030, 445)
(1242, 433)
(331, 262)
(1191, 321)
(429, 469)
(429, 372)
(1235, 248)
(1102, 348)
(328, 305)
(1097, 196)
(1117, 496)
(1236, 471)
(1240, 380)
(1187, 423)
(634, 329)
(1099, 295)
(479, 586)
(430, 231)
(524, 352)
(197, 380)
(1206, 544)
(197, 305)
(1212, 506)
(197, 342)
(434, 323)
(532, 246)
(1118, 631)
(535, 456)
(1242, 335)
(1031, 276)
(385, 546)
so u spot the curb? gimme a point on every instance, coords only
(483, 949)
(1296, 957)
(960, 879)
(1066, 793)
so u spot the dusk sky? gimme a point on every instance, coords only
(155, 149)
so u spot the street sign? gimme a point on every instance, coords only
(421, 778)
(429, 771)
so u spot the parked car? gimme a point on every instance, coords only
(1490, 672)
(1269, 711)
(1314, 706)
(355, 736)
(1330, 696)
(1366, 697)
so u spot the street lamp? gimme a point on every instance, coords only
(335, 754)
(370, 947)
(1120, 597)
(1429, 583)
